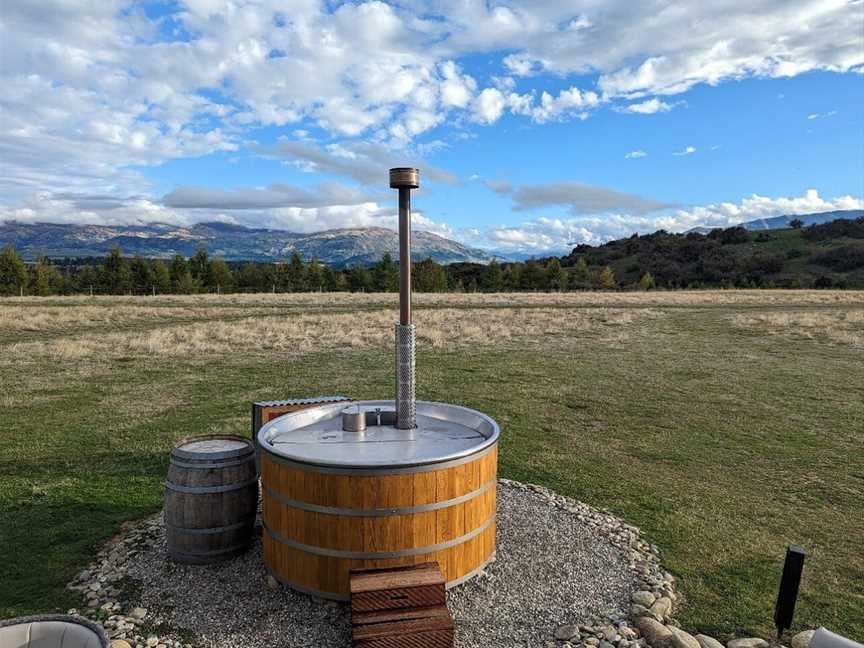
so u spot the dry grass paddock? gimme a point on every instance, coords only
(306, 332)
(726, 424)
(843, 327)
(63, 314)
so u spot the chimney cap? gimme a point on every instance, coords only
(404, 178)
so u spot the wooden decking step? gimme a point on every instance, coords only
(397, 588)
(403, 607)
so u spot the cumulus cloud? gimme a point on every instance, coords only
(727, 214)
(648, 107)
(567, 102)
(372, 65)
(489, 105)
(638, 153)
(649, 49)
(583, 198)
(543, 235)
(456, 89)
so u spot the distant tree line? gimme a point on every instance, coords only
(118, 275)
(732, 257)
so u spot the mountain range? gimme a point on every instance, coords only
(337, 247)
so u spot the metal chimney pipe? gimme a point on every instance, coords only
(405, 179)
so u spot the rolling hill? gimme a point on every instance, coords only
(823, 255)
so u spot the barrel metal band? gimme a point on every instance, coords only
(226, 464)
(378, 512)
(376, 555)
(210, 489)
(211, 530)
(382, 470)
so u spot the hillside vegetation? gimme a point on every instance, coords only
(820, 256)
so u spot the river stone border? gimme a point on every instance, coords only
(650, 622)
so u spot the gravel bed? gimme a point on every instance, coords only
(551, 569)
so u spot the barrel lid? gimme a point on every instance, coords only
(212, 447)
(315, 436)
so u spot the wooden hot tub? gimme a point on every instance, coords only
(335, 500)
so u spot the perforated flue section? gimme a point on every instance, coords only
(406, 408)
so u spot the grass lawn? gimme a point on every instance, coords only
(725, 425)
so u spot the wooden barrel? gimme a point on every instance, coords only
(321, 522)
(211, 498)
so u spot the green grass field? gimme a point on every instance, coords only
(726, 425)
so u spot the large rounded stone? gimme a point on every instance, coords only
(681, 639)
(655, 633)
(802, 639)
(567, 633)
(747, 642)
(120, 643)
(662, 607)
(708, 642)
(644, 598)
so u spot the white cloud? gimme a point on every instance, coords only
(689, 150)
(560, 235)
(644, 49)
(489, 106)
(648, 107)
(638, 153)
(830, 113)
(542, 235)
(728, 214)
(566, 103)
(456, 89)
(520, 66)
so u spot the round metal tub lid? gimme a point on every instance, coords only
(315, 436)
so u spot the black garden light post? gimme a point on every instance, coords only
(788, 594)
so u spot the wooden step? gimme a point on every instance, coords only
(397, 588)
(413, 628)
(402, 607)
(390, 616)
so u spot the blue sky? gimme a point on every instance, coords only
(536, 125)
